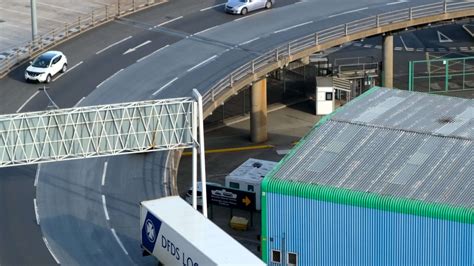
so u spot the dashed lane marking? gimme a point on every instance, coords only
(113, 44)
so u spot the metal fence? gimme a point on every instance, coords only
(441, 75)
(284, 52)
(69, 30)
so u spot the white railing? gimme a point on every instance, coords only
(285, 51)
(43, 42)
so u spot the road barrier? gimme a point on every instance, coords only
(46, 41)
(282, 55)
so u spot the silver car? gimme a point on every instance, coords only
(244, 6)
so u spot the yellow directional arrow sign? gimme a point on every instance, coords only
(246, 201)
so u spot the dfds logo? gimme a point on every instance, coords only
(150, 231)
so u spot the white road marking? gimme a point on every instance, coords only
(463, 48)
(109, 78)
(249, 16)
(63, 8)
(202, 63)
(74, 66)
(77, 104)
(367, 45)
(378, 47)
(465, 27)
(27, 101)
(403, 42)
(249, 41)
(104, 173)
(136, 47)
(211, 7)
(152, 53)
(105, 208)
(37, 174)
(206, 30)
(169, 21)
(28, 14)
(348, 12)
(164, 86)
(118, 240)
(36, 212)
(295, 26)
(50, 250)
(443, 38)
(67, 71)
(396, 3)
(398, 48)
(113, 44)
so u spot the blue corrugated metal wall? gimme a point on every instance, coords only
(324, 233)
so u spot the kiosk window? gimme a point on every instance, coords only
(234, 185)
(250, 188)
(328, 96)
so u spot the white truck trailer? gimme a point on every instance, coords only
(177, 234)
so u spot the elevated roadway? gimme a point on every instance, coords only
(80, 202)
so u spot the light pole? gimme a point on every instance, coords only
(45, 89)
(34, 25)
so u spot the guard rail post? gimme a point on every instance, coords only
(289, 49)
(410, 13)
(445, 6)
(118, 8)
(133, 5)
(106, 12)
(53, 37)
(316, 38)
(231, 79)
(79, 23)
(276, 54)
(66, 30)
(345, 29)
(92, 18)
(377, 20)
(253, 66)
(212, 94)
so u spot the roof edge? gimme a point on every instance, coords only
(323, 120)
(371, 200)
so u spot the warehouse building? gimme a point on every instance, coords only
(385, 180)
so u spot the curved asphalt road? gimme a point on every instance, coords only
(70, 194)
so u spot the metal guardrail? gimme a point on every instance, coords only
(47, 40)
(286, 51)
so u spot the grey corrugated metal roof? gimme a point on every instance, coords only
(393, 142)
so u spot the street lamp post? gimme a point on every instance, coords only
(34, 25)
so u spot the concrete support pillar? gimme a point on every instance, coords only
(388, 61)
(258, 115)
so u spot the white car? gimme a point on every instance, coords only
(189, 193)
(242, 7)
(45, 66)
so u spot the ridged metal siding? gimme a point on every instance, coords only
(324, 233)
(386, 162)
(412, 111)
(392, 142)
